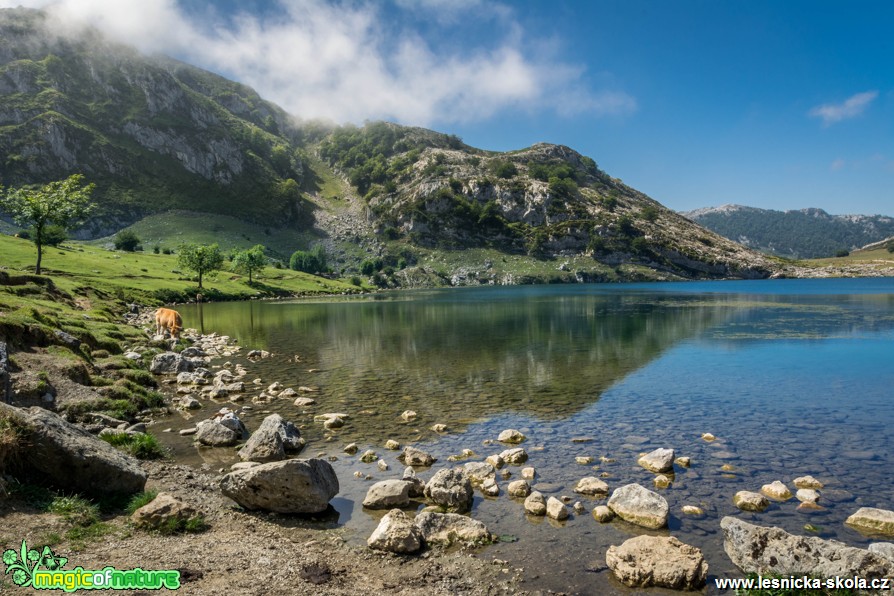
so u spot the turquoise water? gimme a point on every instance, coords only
(794, 377)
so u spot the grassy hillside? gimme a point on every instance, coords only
(145, 277)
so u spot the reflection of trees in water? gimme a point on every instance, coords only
(454, 360)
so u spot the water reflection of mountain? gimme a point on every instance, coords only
(454, 361)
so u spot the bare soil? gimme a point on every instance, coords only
(252, 553)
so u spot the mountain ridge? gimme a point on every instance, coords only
(157, 135)
(796, 233)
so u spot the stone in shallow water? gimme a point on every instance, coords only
(535, 504)
(872, 521)
(807, 482)
(603, 514)
(659, 460)
(807, 495)
(556, 509)
(591, 486)
(638, 505)
(511, 435)
(777, 490)
(750, 501)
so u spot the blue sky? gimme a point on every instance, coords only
(775, 104)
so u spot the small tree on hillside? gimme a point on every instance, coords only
(127, 240)
(61, 203)
(201, 258)
(250, 261)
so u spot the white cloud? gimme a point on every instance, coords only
(341, 61)
(837, 164)
(853, 106)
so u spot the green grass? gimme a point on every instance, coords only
(193, 525)
(75, 509)
(791, 591)
(77, 268)
(139, 500)
(141, 446)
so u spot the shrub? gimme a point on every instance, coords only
(649, 213)
(127, 240)
(843, 252)
(503, 169)
(312, 261)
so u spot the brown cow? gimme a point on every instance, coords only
(168, 320)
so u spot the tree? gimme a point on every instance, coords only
(62, 203)
(312, 261)
(127, 240)
(201, 258)
(250, 261)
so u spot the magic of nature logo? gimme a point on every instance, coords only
(42, 569)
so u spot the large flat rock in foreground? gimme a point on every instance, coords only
(68, 457)
(758, 549)
(290, 486)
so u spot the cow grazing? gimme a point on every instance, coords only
(168, 320)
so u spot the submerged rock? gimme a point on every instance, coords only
(416, 457)
(807, 482)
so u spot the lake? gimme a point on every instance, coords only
(794, 377)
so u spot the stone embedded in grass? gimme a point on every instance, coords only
(163, 511)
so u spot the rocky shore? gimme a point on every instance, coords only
(269, 516)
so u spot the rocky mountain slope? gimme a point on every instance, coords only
(804, 233)
(151, 132)
(406, 206)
